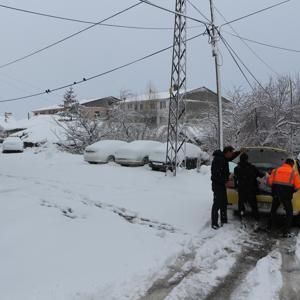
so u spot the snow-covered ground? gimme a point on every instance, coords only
(71, 230)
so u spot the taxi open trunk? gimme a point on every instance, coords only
(265, 159)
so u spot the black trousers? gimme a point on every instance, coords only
(250, 198)
(281, 196)
(220, 204)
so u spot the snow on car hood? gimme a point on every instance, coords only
(12, 141)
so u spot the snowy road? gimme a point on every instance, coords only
(70, 230)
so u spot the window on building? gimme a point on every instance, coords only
(141, 106)
(162, 119)
(152, 105)
(163, 105)
(135, 107)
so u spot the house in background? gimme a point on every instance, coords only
(92, 107)
(151, 108)
(201, 104)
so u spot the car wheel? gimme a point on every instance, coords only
(236, 213)
(296, 220)
(92, 162)
(111, 158)
(145, 160)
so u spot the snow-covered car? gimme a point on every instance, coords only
(102, 151)
(194, 156)
(265, 159)
(135, 153)
(12, 144)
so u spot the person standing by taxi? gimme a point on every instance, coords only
(219, 177)
(284, 182)
(246, 176)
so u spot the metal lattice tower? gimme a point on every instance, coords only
(176, 135)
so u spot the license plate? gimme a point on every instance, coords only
(264, 205)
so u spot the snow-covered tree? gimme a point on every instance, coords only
(70, 101)
(267, 116)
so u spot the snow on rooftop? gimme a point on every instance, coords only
(58, 106)
(145, 97)
(160, 95)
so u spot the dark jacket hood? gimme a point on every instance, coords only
(218, 153)
(244, 163)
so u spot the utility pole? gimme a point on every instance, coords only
(215, 53)
(176, 123)
(292, 118)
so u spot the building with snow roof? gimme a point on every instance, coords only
(92, 107)
(154, 107)
(151, 108)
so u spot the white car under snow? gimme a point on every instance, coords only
(102, 151)
(12, 144)
(194, 155)
(136, 153)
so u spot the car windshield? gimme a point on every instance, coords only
(266, 159)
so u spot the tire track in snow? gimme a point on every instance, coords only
(68, 211)
(193, 274)
(258, 246)
(161, 287)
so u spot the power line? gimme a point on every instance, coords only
(84, 21)
(68, 37)
(246, 44)
(173, 12)
(262, 43)
(198, 10)
(83, 80)
(236, 62)
(248, 70)
(256, 12)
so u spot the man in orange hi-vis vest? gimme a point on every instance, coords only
(284, 182)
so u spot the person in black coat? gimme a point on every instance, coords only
(219, 177)
(246, 176)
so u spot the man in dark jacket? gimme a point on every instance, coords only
(246, 176)
(219, 177)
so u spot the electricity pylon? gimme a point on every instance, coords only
(177, 106)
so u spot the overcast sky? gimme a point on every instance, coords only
(102, 48)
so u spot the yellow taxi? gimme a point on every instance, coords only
(265, 159)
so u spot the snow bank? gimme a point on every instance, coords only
(9, 124)
(298, 248)
(264, 281)
(40, 129)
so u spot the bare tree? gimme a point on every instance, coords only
(263, 116)
(82, 131)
